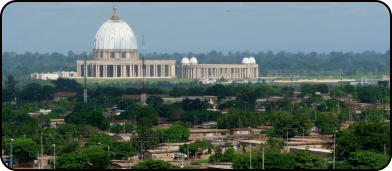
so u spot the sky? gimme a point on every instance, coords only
(198, 27)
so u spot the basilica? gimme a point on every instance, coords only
(116, 56)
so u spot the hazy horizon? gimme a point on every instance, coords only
(201, 27)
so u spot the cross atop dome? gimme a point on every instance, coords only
(115, 16)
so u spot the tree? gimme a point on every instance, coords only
(71, 161)
(327, 122)
(11, 86)
(364, 160)
(306, 160)
(240, 118)
(64, 83)
(273, 145)
(100, 138)
(97, 156)
(322, 88)
(94, 118)
(196, 148)
(177, 132)
(153, 164)
(11, 82)
(287, 123)
(146, 116)
(363, 136)
(369, 94)
(154, 101)
(293, 160)
(24, 149)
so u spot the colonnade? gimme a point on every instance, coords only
(233, 71)
(97, 69)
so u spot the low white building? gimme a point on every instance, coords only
(53, 75)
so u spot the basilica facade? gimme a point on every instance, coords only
(116, 56)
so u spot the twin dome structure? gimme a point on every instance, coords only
(185, 60)
(250, 60)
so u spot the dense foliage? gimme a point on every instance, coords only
(270, 63)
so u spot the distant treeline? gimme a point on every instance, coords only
(270, 63)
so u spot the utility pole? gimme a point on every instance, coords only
(85, 79)
(334, 149)
(188, 153)
(385, 149)
(263, 157)
(39, 167)
(143, 96)
(42, 150)
(250, 154)
(109, 151)
(287, 138)
(54, 156)
(11, 162)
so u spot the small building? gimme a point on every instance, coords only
(163, 126)
(206, 125)
(172, 100)
(41, 111)
(326, 153)
(63, 95)
(359, 107)
(243, 145)
(245, 131)
(123, 137)
(120, 122)
(55, 123)
(326, 96)
(138, 96)
(196, 134)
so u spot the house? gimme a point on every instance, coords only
(206, 125)
(123, 137)
(55, 123)
(164, 152)
(325, 96)
(41, 111)
(345, 98)
(359, 107)
(120, 122)
(196, 133)
(213, 100)
(318, 141)
(63, 96)
(171, 100)
(163, 126)
(243, 145)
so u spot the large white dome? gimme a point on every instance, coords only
(115, 34)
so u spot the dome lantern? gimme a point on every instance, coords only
(115, 16)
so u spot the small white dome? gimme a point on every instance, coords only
(252, 60)
(185, 60)
(193, 60)
(245, 60)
